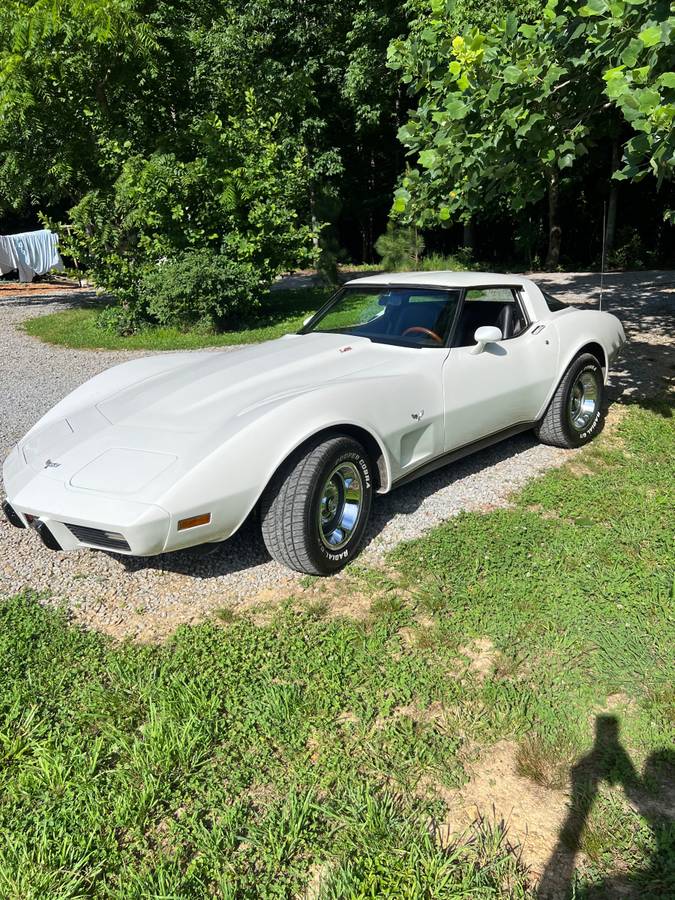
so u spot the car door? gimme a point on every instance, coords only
(504, 385)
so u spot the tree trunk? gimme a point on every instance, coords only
(554, 230)
(314, 219)
(469, 239)
(610, 231)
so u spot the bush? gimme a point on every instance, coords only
(630, 252)
(400, 248)
(201, 288)
(122, 319)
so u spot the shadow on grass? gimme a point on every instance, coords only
(651, 795)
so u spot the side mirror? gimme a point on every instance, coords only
(486, 334)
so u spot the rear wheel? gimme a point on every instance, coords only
(573, 417)
(315, 511)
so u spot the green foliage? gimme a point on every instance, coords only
(399, 247)
(505, 114)
(238, 194)
(175, 125)
(120, 320)
(630, 251)
(199, 287)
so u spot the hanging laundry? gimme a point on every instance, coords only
(31, 252)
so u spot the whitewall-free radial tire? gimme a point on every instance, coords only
(574, 415)
(315, 511)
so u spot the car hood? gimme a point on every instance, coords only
(209, 389)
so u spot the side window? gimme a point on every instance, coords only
(499, 306)
(553, 303)
(490, 295)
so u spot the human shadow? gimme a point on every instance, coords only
(609, 762)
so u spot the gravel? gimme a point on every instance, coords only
(147, 598)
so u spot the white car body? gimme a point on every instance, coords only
(158, 440)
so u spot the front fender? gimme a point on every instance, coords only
(230, 479)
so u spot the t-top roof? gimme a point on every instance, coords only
(440, 279)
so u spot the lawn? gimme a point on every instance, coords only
(253, 757)
(283, 313)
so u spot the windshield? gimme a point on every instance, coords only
(412, 317)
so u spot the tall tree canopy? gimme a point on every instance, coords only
(504, 114)
(89, 89)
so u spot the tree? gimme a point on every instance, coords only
(504, 115)
(90, 87)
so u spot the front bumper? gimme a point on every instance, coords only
(120, 526)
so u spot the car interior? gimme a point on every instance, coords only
(504, 313)
(424, 318)
(499, 308)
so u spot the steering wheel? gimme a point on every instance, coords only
(427, 331)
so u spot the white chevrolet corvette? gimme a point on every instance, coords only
(394, 376)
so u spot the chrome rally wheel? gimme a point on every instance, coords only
(340, 505)
(583, 402)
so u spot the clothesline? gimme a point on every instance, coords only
(31, 253)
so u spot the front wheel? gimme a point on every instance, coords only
(573, 417)
(315, 511)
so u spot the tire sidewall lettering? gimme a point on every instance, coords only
(583, 436)
(346, 552)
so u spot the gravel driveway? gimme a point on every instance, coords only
(147, 597)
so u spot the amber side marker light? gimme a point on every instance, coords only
(193, 521)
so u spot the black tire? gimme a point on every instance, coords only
(565, 424)
(297, 508)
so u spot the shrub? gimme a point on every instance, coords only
(201, 288)
(122, 319)
(630, 252)
(400, 248)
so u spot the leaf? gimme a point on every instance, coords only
(648, 100)
(593, 8)
(616, 72)
(512, 74)
(630, 55)
(456, 108)
(667, 79)
(650, 36)
(566, 161)
(401, 198)
(494, 92)
(428, 158)
(529, 31)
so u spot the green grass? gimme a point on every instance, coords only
(283, 313)
(243, 760)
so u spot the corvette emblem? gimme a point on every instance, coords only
(417, 416)
(51, 465)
